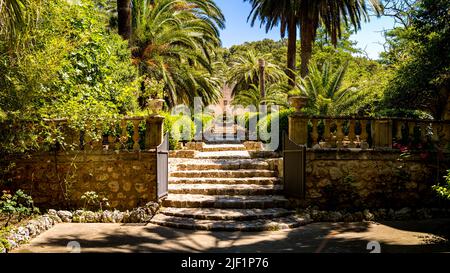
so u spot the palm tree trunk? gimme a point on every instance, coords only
(124, 18)
(262, 79)
(292, 50)
(307, 35)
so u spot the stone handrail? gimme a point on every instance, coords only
(321, 132)
(117, 136)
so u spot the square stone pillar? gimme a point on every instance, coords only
(382, 134)
(298, 129)
(154, 133)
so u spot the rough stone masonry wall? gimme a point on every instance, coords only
(127, 179)
(371, 179)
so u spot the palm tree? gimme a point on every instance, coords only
(309, 14)
(323, 87)
(124, 18)
(285, 13)
(245, 71)
(276, 95)
(11, 16)
(331, 14)
(172, 41)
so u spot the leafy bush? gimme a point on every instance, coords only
(444, 190)
(19, 204)
(176, 126)
(283, 119)
(66, 65)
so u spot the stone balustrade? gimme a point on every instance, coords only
(320, 132)
(130, 133)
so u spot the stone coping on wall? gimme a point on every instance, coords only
(81, 155)
(374, 154)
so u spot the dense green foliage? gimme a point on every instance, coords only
(444, 190)
(68, 65)
(420, 56)
(18, 205)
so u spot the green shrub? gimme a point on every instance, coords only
(175, 127)
(19, 204)
(444, 190)
(266, 124)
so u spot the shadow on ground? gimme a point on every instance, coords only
(394, 237)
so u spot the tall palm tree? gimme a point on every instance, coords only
(309, 14)
(172, 41)
(245, 71)
(124, 18)
(11, 16)
(284, 13)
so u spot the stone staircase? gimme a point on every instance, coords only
(222, 188)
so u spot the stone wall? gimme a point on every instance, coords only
(372, 179)
(127, 179)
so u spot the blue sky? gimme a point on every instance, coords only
(239, 31)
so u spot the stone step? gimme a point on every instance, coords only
(228, 181)
(223, 165)
(223, 147)
(223, 155)
(225, 189)
(227, 214)
(223, 173)
(280, 223)
(224, 201)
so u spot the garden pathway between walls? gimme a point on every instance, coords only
(393, 236)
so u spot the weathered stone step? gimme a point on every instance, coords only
(223, 147)
(227, 214)
(224, 155)
(225, 189)
(223, 165)
(225, 201)
(226, 225)
(224, 173)
(236, 181)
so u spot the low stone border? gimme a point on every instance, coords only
(406, 213)
(24, 233)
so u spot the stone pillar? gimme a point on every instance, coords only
(298, 128)
(382, 134)
(154, 133)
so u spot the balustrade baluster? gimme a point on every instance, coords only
(98, 137)
(136, 146)
(339, 134)
(352, 134)
(327, 133)
(124, 134)
(411, 127)
(315, 134)
(435, 137)
(112, 137)
(398, 133)
(364, 136)
(423, 132)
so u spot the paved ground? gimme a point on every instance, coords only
(400, 237)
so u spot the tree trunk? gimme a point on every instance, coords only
(307, 40)
(292, 50)
(124, 18)
(262, 78)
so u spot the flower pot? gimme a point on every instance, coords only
(298, 102)
(155, 105)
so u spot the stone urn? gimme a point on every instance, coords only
(298, 102)
(155, 106)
